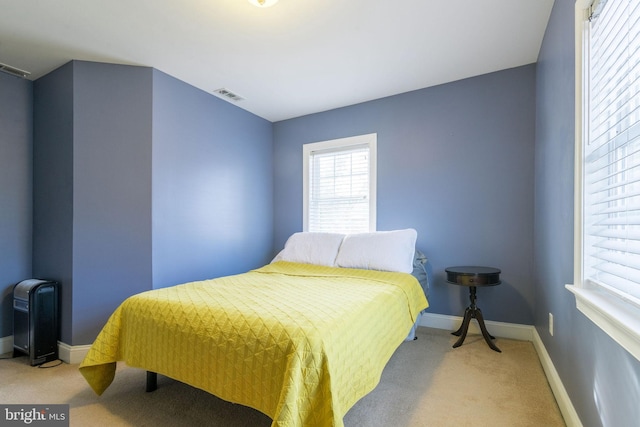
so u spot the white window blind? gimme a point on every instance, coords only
(340, 185)
(611, 181)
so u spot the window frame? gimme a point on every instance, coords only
(615, 316)
(371, 140)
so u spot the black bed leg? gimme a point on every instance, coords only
(152, 381)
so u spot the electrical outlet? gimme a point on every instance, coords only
(551, 324)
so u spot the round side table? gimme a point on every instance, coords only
(473, 277)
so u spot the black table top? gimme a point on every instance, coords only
(473, 276)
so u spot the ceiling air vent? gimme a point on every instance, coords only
(226, 93)
(14, 71)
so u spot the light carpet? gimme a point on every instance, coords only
(426, 383)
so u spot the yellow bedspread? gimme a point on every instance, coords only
(300, 343)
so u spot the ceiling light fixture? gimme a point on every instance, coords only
(263, 3)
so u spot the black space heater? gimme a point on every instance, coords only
(35, 320)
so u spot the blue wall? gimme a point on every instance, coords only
(111, 191)
(212, 185)
(142, 181)
(53, 187)
(455, 162)
(602, 379)
(16, 146)
(92, 181)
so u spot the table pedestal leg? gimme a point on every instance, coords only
(473, 312)
(462, 331)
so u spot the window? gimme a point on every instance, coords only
(340, 185)
(607, 273)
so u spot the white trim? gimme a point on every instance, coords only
(580, 9)
(617, 318)
(75, 354)
(371, 140)
(72, 354)
(499, 329)
(620, 320)
(562, 397)
(66, 353)
(6, 344)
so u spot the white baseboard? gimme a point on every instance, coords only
(6, 344)
(72, 354)
(499, 329)
(66, 353)
(562, 397)
(75, 354)
(517, 332)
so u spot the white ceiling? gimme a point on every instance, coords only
(295, 58)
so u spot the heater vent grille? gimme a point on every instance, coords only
(226, 93)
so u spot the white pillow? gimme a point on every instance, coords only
(311, 248)
(382, 250)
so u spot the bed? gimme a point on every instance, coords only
(301, 339)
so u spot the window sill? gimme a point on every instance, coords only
(619, 319)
